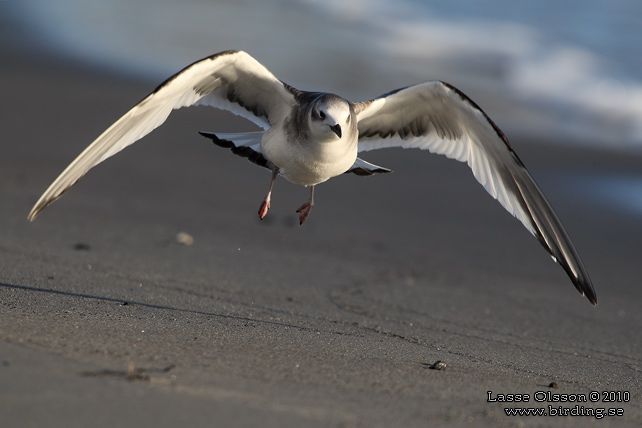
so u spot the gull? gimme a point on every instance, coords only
(310, 137)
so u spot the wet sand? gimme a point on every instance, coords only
(105, 320)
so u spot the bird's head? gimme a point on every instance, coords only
(330, 118)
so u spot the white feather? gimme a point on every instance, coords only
(230, 80)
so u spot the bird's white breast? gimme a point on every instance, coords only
(309, 162)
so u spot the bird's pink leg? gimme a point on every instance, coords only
(304, 210)
(265, 205)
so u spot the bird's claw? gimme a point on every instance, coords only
(265, 206)
(304, 211)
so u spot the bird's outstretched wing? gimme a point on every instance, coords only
(437, 117)
(230, 80)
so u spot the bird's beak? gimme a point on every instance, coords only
(336, 129)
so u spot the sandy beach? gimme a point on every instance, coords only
(107, 321)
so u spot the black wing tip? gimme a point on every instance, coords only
(364, 172)
(226, 144)
(585, 287)
(587, 290)
(592, 298)
(252, 155)
(208, 135)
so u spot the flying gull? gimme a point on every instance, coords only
(310, 137)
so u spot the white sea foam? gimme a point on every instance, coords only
(529, 75)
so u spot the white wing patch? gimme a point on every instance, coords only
(437, 117)
(229, 80)
(476, 142)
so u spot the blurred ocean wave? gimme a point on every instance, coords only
(565, 71)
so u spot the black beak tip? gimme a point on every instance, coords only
(336, 129)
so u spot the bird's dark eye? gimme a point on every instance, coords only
(321, 115)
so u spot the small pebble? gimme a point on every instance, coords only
(552, 385)
(439, 365)
(184, 238)
(82, 246)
